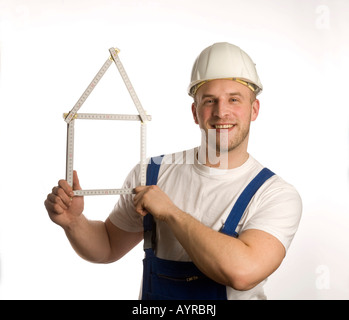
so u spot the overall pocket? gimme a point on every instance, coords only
(176, 280)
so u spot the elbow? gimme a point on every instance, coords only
(241, 281)
(242, 284)
(110, 259)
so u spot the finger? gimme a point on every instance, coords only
(139, 202)
(76, 183)
(66, 188)
(143, 212)
(57, 200)
(140, 209)
(59, 192)
(136, 201)
(140, 189)
(53, 208)
(139, 192)
(139, 195)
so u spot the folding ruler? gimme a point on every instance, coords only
(70, 118)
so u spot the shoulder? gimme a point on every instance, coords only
(277, 209)
(278, 190)
(275, 189)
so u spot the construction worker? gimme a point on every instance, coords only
(214, 227)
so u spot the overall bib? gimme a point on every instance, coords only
(178, 280)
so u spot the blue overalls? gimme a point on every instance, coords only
(178, 280)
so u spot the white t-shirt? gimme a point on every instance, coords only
(209, 194)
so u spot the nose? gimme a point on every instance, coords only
(221, 109)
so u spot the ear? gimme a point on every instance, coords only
(193, 110)
(255, 110)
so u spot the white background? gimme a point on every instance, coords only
(51, 50)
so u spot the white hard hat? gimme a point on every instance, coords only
(224, 61)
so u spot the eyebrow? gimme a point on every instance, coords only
(230, 94)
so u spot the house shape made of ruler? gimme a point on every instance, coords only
(73, 115)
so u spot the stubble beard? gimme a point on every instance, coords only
(222, 143)
(219, 144)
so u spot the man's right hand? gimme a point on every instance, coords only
(62, 206)
(94, 241)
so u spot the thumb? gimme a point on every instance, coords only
(76, 183)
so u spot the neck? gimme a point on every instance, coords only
(222, 160)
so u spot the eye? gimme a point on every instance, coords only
(209, 101)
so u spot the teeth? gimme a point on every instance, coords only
(224, 126)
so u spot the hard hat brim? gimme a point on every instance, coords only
(193, 88)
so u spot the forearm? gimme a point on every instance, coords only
(224, 259)
(89, 239)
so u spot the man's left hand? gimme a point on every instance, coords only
(151, 199)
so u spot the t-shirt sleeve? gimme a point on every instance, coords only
(124, 215)
(275, 209)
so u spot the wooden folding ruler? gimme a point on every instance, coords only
(73, 115)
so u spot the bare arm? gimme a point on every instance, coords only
(101, 242)
(239, 263)
(95, 241)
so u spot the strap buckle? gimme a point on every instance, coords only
(150, 238)
(147, 244)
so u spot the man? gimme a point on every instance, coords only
(214, 226)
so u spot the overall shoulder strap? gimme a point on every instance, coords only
(148, 221)
(153, 170)
(241, 204)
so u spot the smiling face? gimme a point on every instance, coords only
(227, 107)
